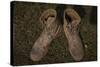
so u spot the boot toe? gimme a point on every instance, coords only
(36, 54)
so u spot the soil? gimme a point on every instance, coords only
(27, 29)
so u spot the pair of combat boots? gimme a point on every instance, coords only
(71, 21)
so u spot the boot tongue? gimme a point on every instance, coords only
(50, 20)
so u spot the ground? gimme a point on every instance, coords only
(27, 28)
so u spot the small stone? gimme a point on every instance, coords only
(86, 46)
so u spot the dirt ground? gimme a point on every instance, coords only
(27, 28)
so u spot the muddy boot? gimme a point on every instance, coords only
(71, 22)
(51, 28)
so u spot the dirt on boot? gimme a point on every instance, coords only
(71, 22)
(51, 29)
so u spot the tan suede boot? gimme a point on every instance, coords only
(51, 28)
(71, 22)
